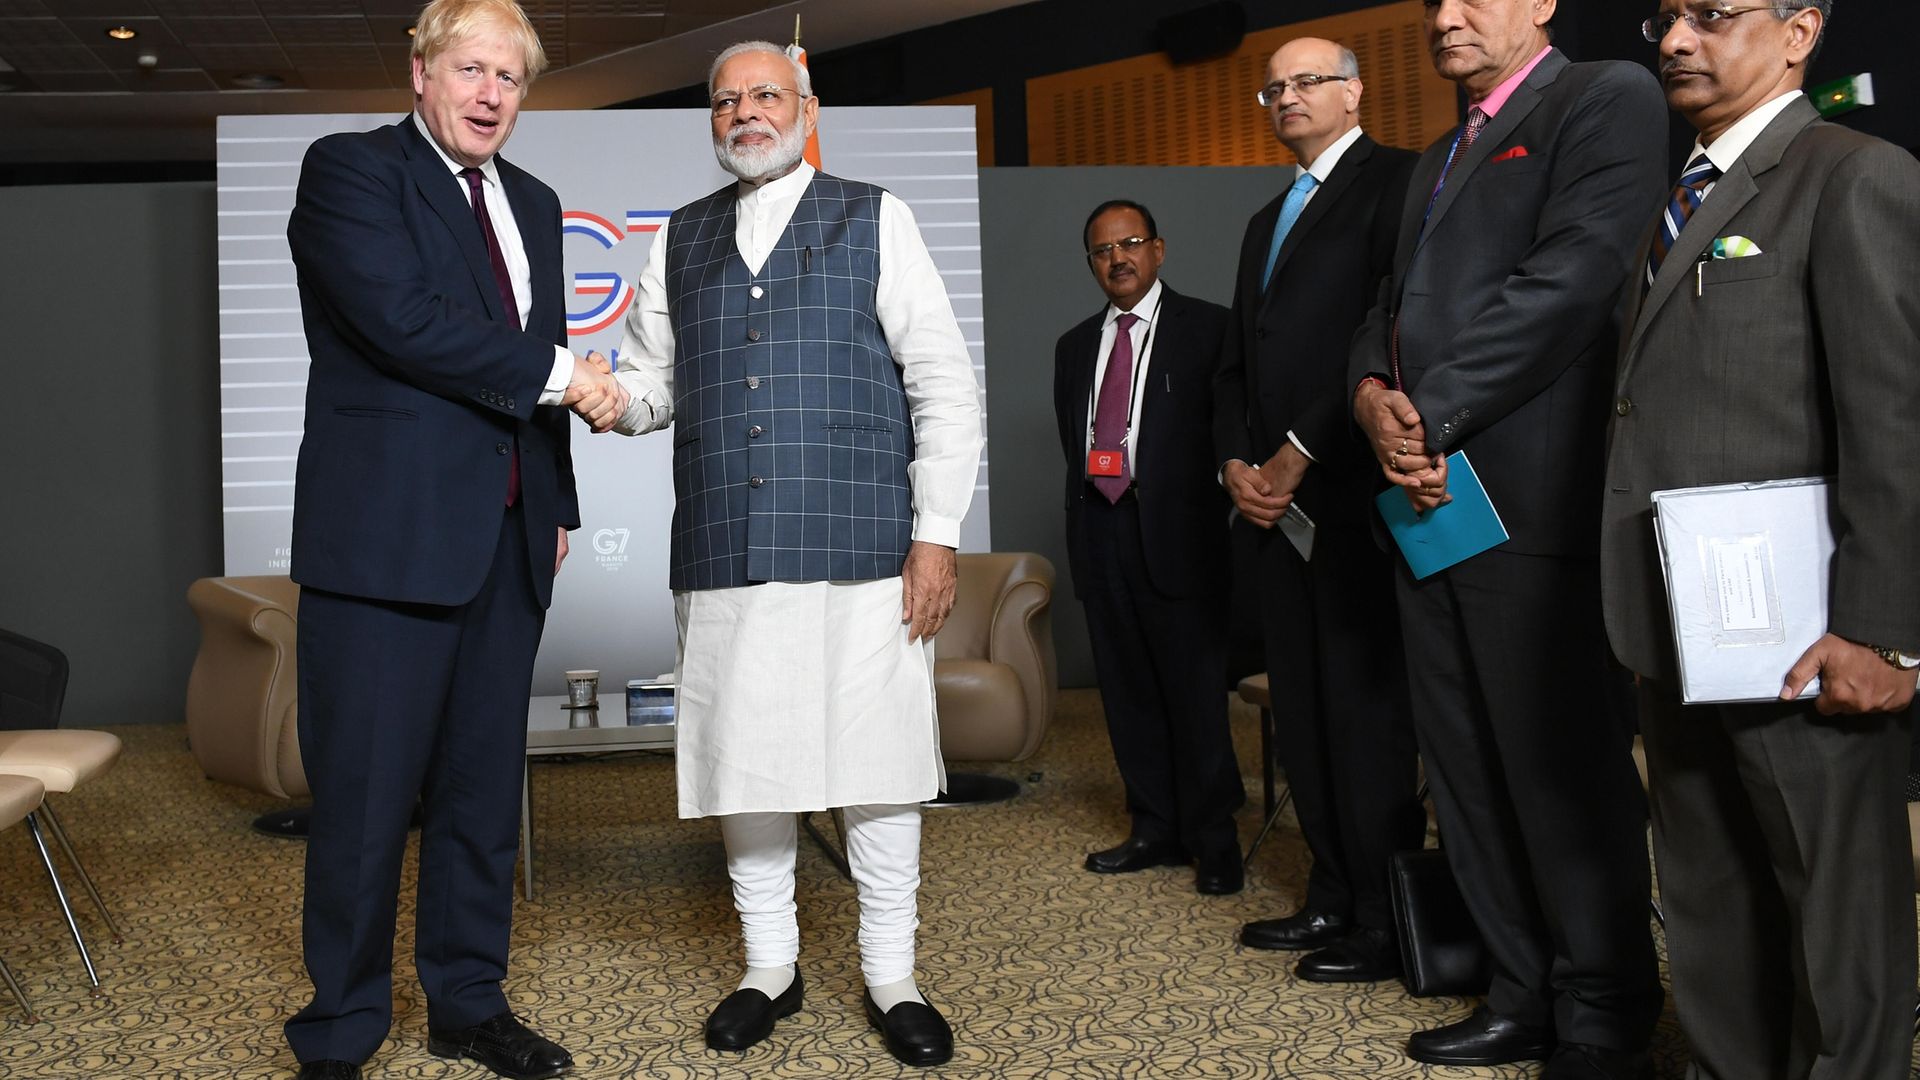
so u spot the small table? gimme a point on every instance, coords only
(550, 731)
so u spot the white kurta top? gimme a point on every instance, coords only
(803, 696)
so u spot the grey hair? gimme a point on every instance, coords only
(1787, 9)
(1346, 65)
(801, 82)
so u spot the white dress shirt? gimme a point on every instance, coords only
(512, 249)
(1148, 310)
(936, 370)
(1733, 142)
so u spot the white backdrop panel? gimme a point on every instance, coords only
(618, 174)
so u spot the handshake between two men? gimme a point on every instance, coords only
(595, 394)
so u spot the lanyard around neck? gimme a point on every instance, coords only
(1139, 371)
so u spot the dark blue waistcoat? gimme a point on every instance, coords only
(791, 431)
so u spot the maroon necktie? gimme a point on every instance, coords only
(1110, 415)
(505, 284)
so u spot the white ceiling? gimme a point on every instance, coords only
(79, 95)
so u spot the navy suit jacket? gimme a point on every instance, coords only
(418, 388)
(1183, 510)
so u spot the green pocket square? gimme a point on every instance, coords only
(1734, 247)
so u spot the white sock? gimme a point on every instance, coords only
(894, 993)
(773, 981)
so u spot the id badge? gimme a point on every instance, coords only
(1106, 462)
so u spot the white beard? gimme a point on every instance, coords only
(757, 163)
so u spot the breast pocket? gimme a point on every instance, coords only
(1750, 268)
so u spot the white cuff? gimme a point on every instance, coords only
(929, 529)
(558, 379)
(1302, 447)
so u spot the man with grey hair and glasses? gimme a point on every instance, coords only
(1773, 333)
(1310, 267)
(793, 330)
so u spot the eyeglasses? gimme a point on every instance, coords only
(1709, 20)
(1102, 252)
(763, 97)
(1272, 92)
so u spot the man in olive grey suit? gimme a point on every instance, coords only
(1779, 828)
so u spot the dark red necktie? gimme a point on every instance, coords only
(504, 283)
(1110, 414)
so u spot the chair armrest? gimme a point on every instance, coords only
(242, 694)
(1022, 638)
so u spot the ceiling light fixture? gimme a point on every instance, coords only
(412, 30)
(122, 33)
(258, 80)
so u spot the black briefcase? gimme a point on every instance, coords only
(1441, 951)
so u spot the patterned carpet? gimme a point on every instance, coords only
(1044, 970)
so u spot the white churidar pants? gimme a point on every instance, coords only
(883, 848)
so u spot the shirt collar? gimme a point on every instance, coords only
(1492, 102)
(786, 187)
(1147, 309)
(488, 170)
(1322, 166)
(1733, 142)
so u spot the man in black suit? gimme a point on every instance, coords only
(1147, 547)
(1496, 337)
(433, 494)
(1310, 267)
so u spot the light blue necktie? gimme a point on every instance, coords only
(1295, 202)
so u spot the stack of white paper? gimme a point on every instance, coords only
(1747, 569)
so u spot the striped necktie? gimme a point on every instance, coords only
(1686, 198)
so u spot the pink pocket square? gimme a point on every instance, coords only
(1515, 152)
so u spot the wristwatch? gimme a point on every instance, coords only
(1895, 657)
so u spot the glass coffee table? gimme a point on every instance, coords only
(552, 728)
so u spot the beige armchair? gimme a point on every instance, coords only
(242, 697)
(994, 675)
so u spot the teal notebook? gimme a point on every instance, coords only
(1446, 534)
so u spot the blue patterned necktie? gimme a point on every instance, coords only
(1290, 208)
(1686, 198)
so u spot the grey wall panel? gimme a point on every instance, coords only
(110, 370)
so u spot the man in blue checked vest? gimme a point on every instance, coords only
(792, 329)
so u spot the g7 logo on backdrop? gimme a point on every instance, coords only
(612, 291)
(611, 541)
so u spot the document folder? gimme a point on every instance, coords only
(1446, 534)
(1747, 569)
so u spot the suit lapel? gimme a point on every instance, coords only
(442, 191)
(1525, 98)
(540, 264)
(1729, 196)
(1338, 181)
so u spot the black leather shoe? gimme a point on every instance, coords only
(1302, 930)
(328, 1070)
(747, 1016)
(1367, 955)
(1219, 876)
(1481, 1039)
(916, 1033)
(505, 1045)
(1579, 1061)
(1133, 854)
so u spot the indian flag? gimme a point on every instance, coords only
(799, 56)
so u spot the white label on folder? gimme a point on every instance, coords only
(1739, 568)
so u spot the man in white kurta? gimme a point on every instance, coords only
(806, 617)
